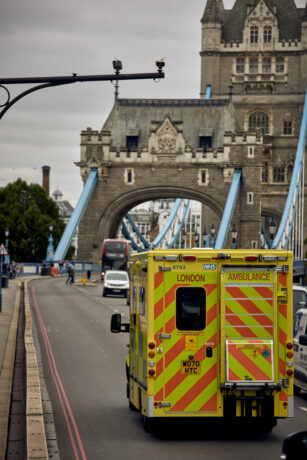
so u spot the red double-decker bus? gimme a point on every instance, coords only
(115, 255)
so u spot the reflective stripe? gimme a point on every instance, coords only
(150, 406)
(290, 406)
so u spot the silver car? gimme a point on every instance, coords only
(115, 282)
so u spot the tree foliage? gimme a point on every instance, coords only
(27, 211)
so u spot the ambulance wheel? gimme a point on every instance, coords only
(148, 424)
(296, 390)
(268, 425)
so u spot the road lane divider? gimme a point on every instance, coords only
(35, 428)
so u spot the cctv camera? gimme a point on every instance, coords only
(117, 65)
(160, 64)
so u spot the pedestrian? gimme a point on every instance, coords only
(72, 273)
(10, 272)
(67, 271)
(21, 270)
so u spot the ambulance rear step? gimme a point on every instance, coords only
(265, 386)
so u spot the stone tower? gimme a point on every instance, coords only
(259, 47)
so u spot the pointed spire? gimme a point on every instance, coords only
(212, 11)
(220, 5)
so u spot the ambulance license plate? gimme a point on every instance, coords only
(190, 367)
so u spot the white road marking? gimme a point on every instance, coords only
(304, 409)
(83, 290)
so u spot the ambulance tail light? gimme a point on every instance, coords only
(290, 372)
(151, 345)
(251, 258)
(151, 372)
(289, 345)
(189, 257)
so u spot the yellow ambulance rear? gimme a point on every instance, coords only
(210, 335)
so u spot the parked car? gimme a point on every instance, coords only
(115, 282)
(299, 299)
(300, 351)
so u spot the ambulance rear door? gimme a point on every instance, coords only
(186, 334)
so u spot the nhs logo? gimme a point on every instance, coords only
(209, 266)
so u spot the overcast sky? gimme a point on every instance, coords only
(52, 38)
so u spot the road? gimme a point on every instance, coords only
(84, 368)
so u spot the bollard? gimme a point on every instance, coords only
(84, 279)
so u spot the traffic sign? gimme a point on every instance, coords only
(3, 251)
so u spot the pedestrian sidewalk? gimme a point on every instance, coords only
(8, 328)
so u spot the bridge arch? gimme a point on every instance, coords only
(115, 211)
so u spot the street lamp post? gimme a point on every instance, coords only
(184, 236)
(196, 239)
(272, 228)
(234, 235)
(7, 257)
(206, 238)
(50, 249)
(212, 235)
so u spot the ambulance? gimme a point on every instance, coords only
(211, 335)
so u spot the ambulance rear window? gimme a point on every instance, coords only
(190, 309)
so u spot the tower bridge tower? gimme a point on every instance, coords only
(261, 47)
(188, 148)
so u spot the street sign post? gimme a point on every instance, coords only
(3, 252)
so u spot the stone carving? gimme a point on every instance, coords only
(166, 138)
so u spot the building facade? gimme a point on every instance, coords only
(259, 47)
(254, 58)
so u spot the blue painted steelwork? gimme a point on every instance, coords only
(229, 208)
(128, 236)
(76, 216)
(159, 238)
(208, 92)
(181, 222)
(286, 224)
(137, 231)
(168, 223)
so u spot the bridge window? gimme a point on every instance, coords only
(253, 65)
(240, 65)
(278, 174)
(287, 128)
(131, 142)
(254, 34)
(250, 197)
(129, 176)
(190, 309)
(203, 177)
(267, 34)
(280, 65)
(266, 65)
(251, 152)
(205, 142)
(259, 120)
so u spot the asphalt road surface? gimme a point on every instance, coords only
(84, 368)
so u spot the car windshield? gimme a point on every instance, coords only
(117, 276)
(299, 300)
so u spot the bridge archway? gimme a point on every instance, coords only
(115, 211)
